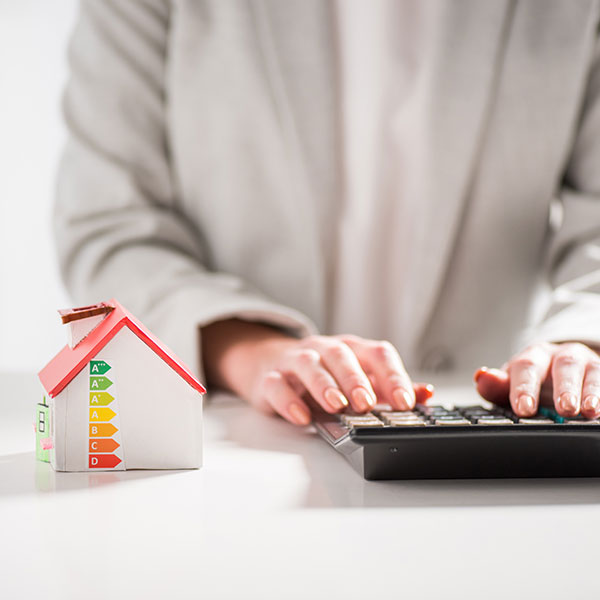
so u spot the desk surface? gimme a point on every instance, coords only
(276, 513)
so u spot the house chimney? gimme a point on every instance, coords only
(83, 320)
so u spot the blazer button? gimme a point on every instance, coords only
(437, 359)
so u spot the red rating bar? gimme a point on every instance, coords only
(103, 461)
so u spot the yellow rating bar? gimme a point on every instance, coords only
(102, 414)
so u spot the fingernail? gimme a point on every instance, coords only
(568, 402)
(299, 414)
(479, 373)
(403, 399)
(590, 404)
(362, 399)
(335, 399)
(429, 391)
(526, 404)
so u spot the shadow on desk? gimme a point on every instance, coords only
(334, 483)
(23, 474)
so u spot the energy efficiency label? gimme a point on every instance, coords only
(105, 450)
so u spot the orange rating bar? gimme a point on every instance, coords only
(103, 445)
(102, 429)
(103, 461)
(102, 414)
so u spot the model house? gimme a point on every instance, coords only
(117, 398)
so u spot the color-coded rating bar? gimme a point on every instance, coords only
(98, 367)
(103, 445)
(103, 461)
(100, 383)
(102, 414)
(100, 398)
(102, 429)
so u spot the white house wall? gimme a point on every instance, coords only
(159, 413)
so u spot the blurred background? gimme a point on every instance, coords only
(33, 40)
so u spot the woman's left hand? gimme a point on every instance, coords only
(565, 375)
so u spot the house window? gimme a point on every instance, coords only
(42, 422)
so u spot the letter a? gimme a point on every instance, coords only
(94, 399)
(94, 415)
(94, 368)
(94, 383)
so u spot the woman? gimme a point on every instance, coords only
(254, 173)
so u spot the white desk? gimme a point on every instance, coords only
(276, 514)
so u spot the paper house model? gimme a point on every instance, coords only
(116, 398)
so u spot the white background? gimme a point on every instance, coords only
(33, 69)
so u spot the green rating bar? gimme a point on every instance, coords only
(100, 383)
(98, 367)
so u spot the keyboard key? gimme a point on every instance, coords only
(582, 422)
(484, 421)
(550, 413)
(362, 421)
(406, 423)
(452, 422)
(492, 418)
(534, 421)
(400, 415)
(474, 408)
(435, 410)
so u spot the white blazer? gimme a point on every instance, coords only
(208, 175)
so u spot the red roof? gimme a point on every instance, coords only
(59, 372)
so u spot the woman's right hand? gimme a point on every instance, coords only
(276, 373)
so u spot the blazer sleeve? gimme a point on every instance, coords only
(572, 281)
(119, 227)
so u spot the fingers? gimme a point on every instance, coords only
(493, 385)
(277, 393)
(340, 360)
(337, 374)
(393, 382)
(423, 392)
(566, 375)
(526, 372)
(590, 404)
(576, 381)
(306, 365)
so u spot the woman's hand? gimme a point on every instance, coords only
(564, 375)
(276, 373)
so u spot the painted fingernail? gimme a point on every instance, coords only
(479, 373)
(299, 414)
(335, 399)
(362, 399)
(568, 402)
(591, 403)
(526, 404)
(403, 399)
(429, 391)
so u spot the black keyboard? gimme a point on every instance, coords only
(446, 442)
